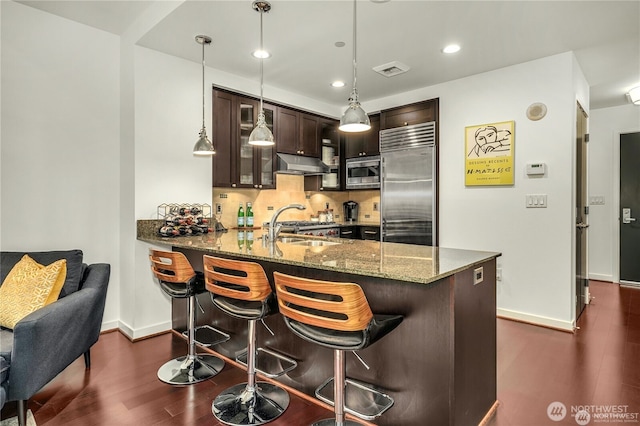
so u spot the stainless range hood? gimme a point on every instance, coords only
(299, 165)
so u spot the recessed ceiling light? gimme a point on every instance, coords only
(337, 83)
(261, 54)
(452, 48)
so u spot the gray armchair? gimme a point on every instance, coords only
(46, 341)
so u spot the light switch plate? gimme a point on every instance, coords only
(536, 201)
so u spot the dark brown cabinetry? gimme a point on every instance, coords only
(297, 133)
(360, 232)
(420, 112)
(237, 164)
(288, 131)
(309, 135)
(369, 232)
(366, 143)
(349, 232)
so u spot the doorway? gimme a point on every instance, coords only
(582, 209)
(629, 212)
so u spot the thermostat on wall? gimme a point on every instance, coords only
(536, 169)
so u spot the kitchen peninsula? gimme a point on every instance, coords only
(439, 365)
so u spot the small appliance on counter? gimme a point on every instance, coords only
(350, 211)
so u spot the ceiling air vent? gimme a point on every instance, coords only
(391, 69)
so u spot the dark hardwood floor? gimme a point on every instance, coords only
(597, 366)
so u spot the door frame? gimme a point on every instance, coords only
(616, 202)
(584, 249)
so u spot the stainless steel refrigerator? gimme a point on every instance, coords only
(408, 184)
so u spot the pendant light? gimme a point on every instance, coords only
(261, 135)
(203, 146)
(354, 118)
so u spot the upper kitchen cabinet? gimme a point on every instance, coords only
(237, 164)
(288, 131)
(420, 112)
(363, 144)
(309, 135)
(298, 133)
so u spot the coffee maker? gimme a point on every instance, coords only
(350, 211)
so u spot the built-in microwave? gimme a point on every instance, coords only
(363, 172)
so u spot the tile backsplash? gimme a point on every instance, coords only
(290, 189)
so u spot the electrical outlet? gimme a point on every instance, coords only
(498, 274)
(478, 275)
(376, 207)
(218, 208)
(326, 206)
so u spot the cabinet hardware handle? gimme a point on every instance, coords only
(347, 232)
(233, 185)
(370, 232)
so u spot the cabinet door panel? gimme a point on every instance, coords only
(372, 137)
(223, 134)
(247, 117)
(287, 131)
(265, 156)
(309, 136)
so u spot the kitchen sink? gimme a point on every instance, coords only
(314, 243)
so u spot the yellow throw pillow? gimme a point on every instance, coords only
(28, 287)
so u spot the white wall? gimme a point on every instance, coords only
(605, 125)
(60, 135)
(536, 244)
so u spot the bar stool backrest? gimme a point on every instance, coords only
(171, 266)
(236, 279)
(332, 305)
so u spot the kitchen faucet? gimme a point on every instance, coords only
(275, 230)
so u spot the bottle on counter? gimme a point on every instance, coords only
(240, 216)
(249, 217)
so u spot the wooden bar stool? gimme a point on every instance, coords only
(241, 289)
(178, 280)
(337, 316)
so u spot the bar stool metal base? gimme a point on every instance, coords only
(269, 363)
(332, 422)
(239, 405)
(361, 399)
(187, 370)
(207, 336)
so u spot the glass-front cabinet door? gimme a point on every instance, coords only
(256, 164)
(246, 121)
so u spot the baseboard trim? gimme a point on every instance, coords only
(601, 277)
(143, 333)
(555, 324)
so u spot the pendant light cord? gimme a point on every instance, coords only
(261, 61)
(203, 43)
(355, 63)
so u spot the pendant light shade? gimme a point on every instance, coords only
(354, 119)
(261, 134)
(203, 146)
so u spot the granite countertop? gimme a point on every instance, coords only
(402, 262)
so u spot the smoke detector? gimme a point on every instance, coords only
(391, 69)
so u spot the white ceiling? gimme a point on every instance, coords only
(301, 34)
